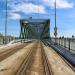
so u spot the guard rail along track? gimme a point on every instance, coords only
(28, 60)
(47, 68)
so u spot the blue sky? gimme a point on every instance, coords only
(18, 9)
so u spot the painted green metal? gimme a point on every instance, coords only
(35, 29)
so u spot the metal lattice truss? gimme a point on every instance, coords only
(35, 29)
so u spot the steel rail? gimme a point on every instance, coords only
(25, 63)
(9, 52)
(47, 67)
(29, 56)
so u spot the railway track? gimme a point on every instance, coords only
(36, 63)
(10, 65)
(25, 63)
(58, 65)
(8, 52)
(47, 67)
(38, 59)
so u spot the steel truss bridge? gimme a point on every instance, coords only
(37, 54)
(35, 28)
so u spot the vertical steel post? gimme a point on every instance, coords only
(3, 40)
(69, 44)
(55, 28)
(64, 42)
(6, 24)
(59, 40)
(55, 18)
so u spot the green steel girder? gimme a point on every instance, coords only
(25, 29)
(46, 29)
(28, 31)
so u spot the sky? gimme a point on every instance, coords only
(23, 9)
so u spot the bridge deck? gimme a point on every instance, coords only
(68, 55)
(34, 58)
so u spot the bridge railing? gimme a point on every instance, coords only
(9, 39)
(68, 43)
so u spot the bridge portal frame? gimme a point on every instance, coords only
(27, 30)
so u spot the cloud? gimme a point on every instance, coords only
(14, 16)
(43, 3)
(59, 3)
(15, 8)
(27, 8)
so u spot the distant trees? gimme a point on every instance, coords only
(1, 36)
(9, 38)
(62, 37)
